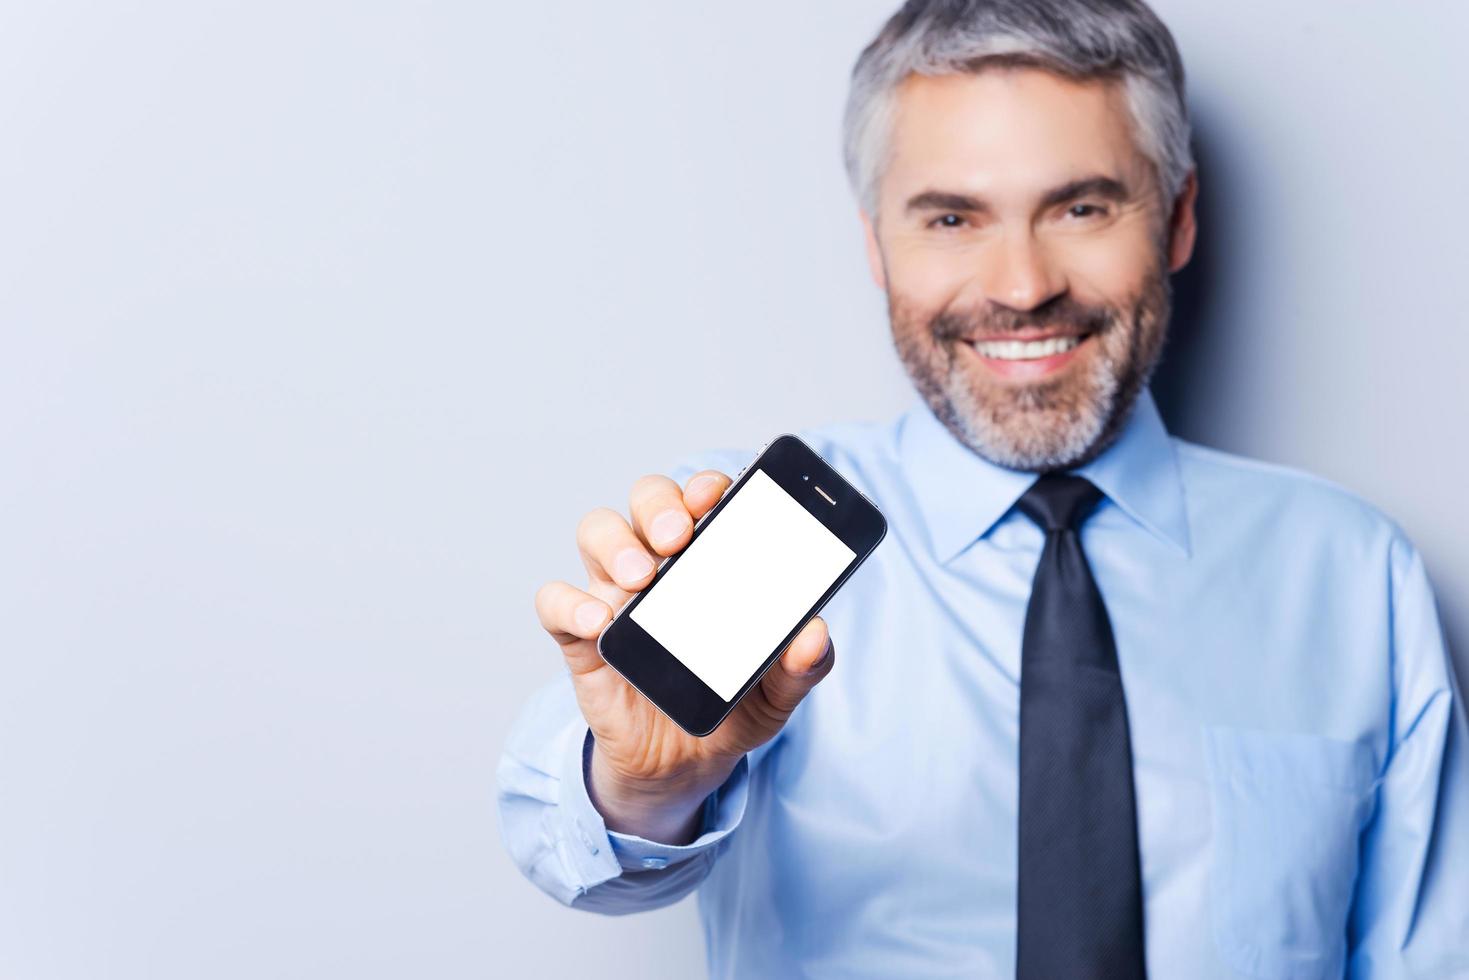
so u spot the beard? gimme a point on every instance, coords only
(1052, 424)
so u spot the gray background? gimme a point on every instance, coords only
(323, 324)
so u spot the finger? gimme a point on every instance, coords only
(703, 491)
(575, 620)
(805, 662)
(658, 514)
(611, 552)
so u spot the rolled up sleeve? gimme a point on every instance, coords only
(1410, 915)
(560, 842)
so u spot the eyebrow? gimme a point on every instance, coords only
(1108, 188)
(1095, 186)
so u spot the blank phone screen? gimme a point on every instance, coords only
(742, 585)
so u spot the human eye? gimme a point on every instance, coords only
(947, 221)
(1085, 209)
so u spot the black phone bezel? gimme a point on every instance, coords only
(660, 676)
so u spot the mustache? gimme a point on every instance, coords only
(1062, 311)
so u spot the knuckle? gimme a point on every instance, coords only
(648, 481)
(547, 602)
(783, 700)
(647, 490)
(595, 518)
(654, 492)
(600, 530)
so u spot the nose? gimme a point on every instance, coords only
(1018, 274)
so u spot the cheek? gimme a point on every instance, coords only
(927, 279)
(1111, 271)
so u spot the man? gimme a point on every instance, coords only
(1111, 704)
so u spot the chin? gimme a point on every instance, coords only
(1041, 427)
(1037, 445)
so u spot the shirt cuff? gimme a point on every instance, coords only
(604, 854)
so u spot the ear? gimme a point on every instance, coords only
(874, 253)
(1183, 228)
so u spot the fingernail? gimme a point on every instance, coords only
(588, 616)
(631, 566)
(667, 526)
(703, 483)
(821, 660)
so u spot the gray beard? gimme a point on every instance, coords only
(1049, 425)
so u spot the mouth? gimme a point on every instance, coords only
(1027, 358)
(1026, 350)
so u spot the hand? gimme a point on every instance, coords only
(648, 776)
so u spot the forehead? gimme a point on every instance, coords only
(1009, 127)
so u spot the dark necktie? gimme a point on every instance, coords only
(1080, 892)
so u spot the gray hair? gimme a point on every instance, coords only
(1080, 39)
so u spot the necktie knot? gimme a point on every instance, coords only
(1058, 501)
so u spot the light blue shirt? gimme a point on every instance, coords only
(1300, 751)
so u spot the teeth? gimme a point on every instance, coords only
(1020, 350)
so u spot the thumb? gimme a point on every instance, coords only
(805, 662)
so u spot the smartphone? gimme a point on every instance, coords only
(761, 563)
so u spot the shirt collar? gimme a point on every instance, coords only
(962, 496)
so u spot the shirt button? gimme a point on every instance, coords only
(655, 863)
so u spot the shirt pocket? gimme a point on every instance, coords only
(1287, 813)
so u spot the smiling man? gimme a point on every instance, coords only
(1110, 704)
(1025, 259)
